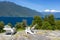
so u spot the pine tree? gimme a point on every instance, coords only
(37, 20)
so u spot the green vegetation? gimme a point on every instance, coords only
(57, 24)
(21, 25)
(18, 25)
(1, 26)
(37, 20)
(10, 24)
(48, 23)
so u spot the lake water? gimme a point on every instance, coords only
(13, 20)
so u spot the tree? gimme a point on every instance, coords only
(18, 25)
(1, 26)
(37, 20)
(10, 24)
(46, 26)
(46, 18)
(51, 19)
(57, 24)
(24, 24)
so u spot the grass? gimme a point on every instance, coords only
(20, 29)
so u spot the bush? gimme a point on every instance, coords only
(1, 26)
(18, 25)
(57, 24)
(10, 24)
(46, 26)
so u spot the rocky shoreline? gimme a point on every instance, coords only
(40, 35)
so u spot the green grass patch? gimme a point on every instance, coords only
(20, 29)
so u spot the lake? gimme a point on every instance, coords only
(13, 20)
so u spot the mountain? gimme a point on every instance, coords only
(56, 14)
(10, 9)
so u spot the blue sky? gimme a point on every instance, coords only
(39, 5)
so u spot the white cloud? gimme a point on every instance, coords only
(53, 11)
(47, 10)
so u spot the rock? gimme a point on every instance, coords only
(40, 35)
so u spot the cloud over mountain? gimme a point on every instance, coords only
(48, 10)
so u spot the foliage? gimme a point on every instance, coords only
(18, 25)
(46, 25)
(57, 24)
(37, 20)
(10, 24)
(1, 26)
(51, 19)
(46, 18)
(21, 25)
(49, 22)
(24, 24)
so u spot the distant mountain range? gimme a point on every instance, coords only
(56, 14)
(10, 9)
